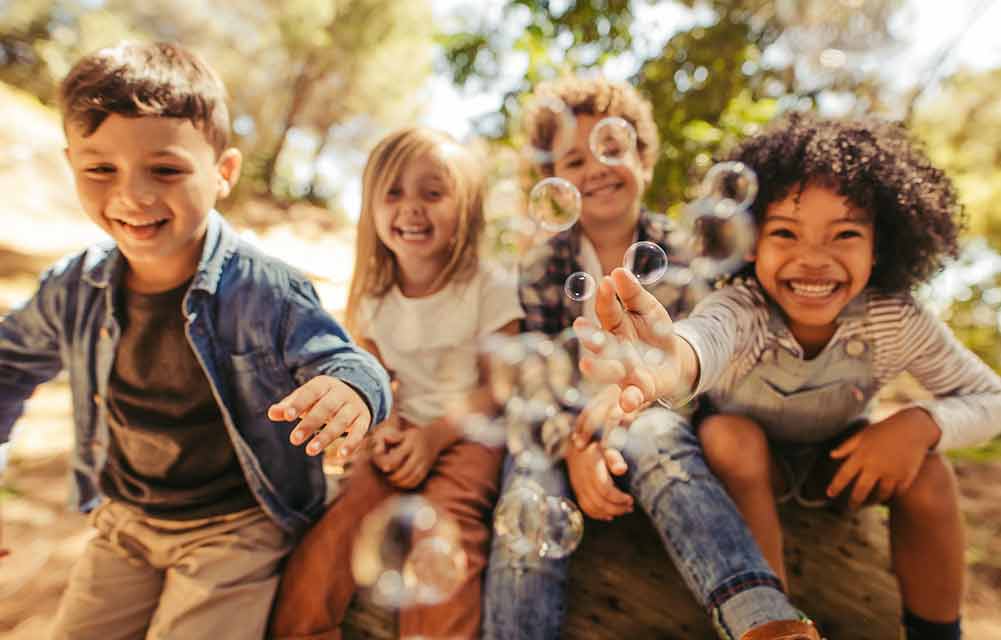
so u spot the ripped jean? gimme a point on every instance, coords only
(702, 531)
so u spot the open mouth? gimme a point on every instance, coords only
(813, 288)
(413, 233)
(602, 190)
(141, 230)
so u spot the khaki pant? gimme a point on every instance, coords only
(317, 585)
(143, 577)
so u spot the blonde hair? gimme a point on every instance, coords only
(375, 270)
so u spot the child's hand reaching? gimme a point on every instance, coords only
(591, 470)
(327, 407)
(405, 453)
(641, 325)
(884, 456)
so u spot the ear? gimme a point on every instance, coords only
(228, 165)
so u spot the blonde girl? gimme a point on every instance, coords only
(420, 300)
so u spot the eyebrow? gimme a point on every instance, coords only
(779, 218)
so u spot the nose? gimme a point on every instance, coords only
(136, 190)
(814, 256)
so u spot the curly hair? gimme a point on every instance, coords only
(878, 168)
(595, 96)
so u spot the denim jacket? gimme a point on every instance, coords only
(255, 325)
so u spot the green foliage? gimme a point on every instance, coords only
(313, 65)
(709, 84)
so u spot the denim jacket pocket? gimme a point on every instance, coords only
(258, 381)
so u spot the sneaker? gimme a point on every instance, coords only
(783, 630)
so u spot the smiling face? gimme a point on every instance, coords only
(150, 183)
(813, 256)
(608, 192)
(418, 216)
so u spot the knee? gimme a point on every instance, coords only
(933, 493)
(735, 448)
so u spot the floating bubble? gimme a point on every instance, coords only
(539, 444)
(580, 286)
(731, 185)
(555, 204)
(612, 139)
(408, 553)
(647, 261)
(717, 245)
(554, 128)
(528, 522)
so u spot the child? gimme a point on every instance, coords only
(851, 216)
(421, 300)
(176, 335)
(709, 543)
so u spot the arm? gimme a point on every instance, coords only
(967, 403)
(343, 387)
(30, 349)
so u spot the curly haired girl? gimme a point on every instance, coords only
(851, 216)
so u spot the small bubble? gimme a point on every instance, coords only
(579, 286)
(647, 261)
(612, 139)
(730, 181)
(555, 204)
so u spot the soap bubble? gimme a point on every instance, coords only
(580, 286)
(612, 139)
(555, 204)
(647, 261)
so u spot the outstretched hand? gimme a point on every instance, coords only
(326, 407)
(640, 353)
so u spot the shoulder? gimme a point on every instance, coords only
(250, 268)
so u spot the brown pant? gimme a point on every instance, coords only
(143, 577)
(317, 585)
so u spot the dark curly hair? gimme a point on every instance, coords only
(878, 168)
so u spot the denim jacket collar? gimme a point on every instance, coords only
(104, 263)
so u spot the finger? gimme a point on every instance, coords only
(378, 446)
(847, 447)
(602, 370)
(615, 462)
(863, 486)
(396, 457)
(607, 307)
(333, 429)
(885, 490)
(846, 473)
(613, 500)
(301, 400)
(636, 300)
(314, 419)
(356, 432)
(631, 399)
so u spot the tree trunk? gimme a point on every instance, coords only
(623, 585)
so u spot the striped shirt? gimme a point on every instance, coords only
(731, 329)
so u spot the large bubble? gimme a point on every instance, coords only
(554, 203)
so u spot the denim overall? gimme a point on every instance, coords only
(806, 407)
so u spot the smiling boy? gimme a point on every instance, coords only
(177, 336)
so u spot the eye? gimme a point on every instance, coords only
(393, 192)
(167, 171)
(99, 170)
(847, 234)
(785, 234)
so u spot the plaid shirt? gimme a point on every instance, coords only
(546, 267)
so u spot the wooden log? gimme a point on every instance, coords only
(623, 584)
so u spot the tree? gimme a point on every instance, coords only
(302, 66)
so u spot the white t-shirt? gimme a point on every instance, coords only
(430, 344)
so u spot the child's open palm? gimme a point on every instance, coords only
(884, 457)
(640, 324)
(326, 408)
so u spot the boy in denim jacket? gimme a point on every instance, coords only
(178, 336)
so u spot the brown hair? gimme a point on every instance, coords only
(375, 269)
(135, 79)
(596, 96)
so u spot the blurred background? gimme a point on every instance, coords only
(313, 84)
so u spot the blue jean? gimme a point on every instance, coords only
(702, 531)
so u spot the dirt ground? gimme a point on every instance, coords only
(41, 221)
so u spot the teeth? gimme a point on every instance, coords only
(811, 289)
